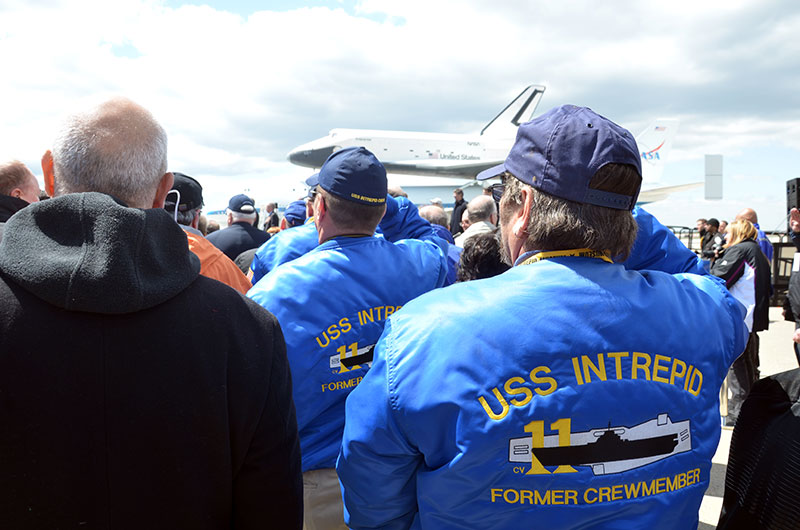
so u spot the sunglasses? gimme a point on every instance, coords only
(497, 191)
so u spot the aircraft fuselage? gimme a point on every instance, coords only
(411, 153)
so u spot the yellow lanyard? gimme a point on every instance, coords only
(579, 252)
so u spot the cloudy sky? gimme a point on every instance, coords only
(237, 84)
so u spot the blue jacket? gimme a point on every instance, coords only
(657, 248)
(332, 304)
(579, 398)
(284, 246)
(764, 243)
(453, 252)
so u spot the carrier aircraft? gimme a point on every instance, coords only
(463, 156)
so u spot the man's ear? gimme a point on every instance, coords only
(164, 185)
(523, 213)
(519, 225)
(49, 173)
(320, 208)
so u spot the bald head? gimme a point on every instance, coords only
(434, 214)
(749, 214)
(397, 191)
(116, 148)
(482, 208)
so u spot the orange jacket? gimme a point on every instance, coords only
(216, 265)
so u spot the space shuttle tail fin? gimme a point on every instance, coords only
(654, 144)
(518, 111)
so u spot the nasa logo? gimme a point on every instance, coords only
(653, 154)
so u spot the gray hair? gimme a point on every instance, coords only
(560, 224)
(239, 217)
(117, 148)
(396, 191)
(435, 215)
(187, 218)
(480, 208)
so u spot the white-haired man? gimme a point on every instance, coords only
(136, 404)
(241, 234)
(482, 215)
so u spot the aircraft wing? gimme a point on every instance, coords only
(442, 168)
(659, 194)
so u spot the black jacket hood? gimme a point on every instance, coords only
(86, 252)
(9, 206)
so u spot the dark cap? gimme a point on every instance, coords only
(191, 193)
(242, 204)
(560, 151)
(312, 183)
(354, 174)
(295, 213)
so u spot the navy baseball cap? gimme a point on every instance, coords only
(191, 193)
(354, 174)
(560, 151)
(241, 203)
(295, 213)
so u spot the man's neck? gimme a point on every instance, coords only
(332, 232)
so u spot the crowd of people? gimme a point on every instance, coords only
(361, 362)
(714, 235)
(740, 253)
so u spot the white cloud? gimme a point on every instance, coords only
(236, 92)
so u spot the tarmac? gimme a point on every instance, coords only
(776, 355)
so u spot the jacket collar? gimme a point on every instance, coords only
(9, 206)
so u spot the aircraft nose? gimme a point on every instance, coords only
(310, 157)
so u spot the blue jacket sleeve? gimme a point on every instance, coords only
(402, 221)
(258, 265)
(764, 243)
(376, 464)
(657, 248)
(283, 247)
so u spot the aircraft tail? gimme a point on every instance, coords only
(518, 111)
(654, 144)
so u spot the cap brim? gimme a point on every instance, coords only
(313, 180)
(491, 172)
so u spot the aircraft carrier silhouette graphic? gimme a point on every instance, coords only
(611, 449)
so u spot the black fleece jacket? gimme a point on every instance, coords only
(9, 206)
(135, 393)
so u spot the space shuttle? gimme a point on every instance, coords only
(463, 156)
